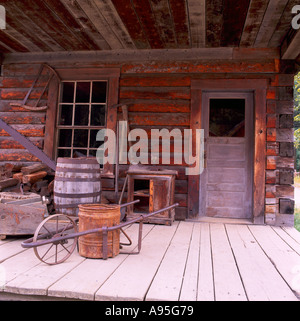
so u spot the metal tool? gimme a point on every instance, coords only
(36, 107)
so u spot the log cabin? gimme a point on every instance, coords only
(226, 67)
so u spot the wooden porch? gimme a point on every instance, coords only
(187, 261)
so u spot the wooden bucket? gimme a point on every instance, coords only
(95, 216)
(77, 181)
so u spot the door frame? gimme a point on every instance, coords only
(248, 141)
(259, 88)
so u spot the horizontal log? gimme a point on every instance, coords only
(157, 106)
(286, 177)
(271, 209)
(18, 176)
(268, 66)
(14, 94)
(283, 80)
(272, 148)
(157, 119)
(285, 107)
(21, 82)
(271, 201)
(23, 118)
(271, 134)
(155, 81)
(17, 156)
(270, 191)
(10, 143)
(272, 177)
(8, 183)
(21, 70)
(271, 120)
(285, 93)
(286, 206)
(271, 106)
(27, 130)
(285, 135)
(155, 93)
(286, 121)
(285, 162)
(34, 177)
(285, 191)
(271, 93)
(271, 162)
(286, 149)
(33, 168)
(59, 58)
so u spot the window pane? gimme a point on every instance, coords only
(64, 153)
(83, 92)
(227, 118)
(98, 115)
(93, 142)
(65, 138)
(81, 138)
(67, 92)
(66, 115)
(99, 92)
(81, 115)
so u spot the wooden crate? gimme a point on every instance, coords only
(155, 190)
(20, 214)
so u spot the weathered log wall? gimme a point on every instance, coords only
(159, 96)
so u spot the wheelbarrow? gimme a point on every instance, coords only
(55, 239)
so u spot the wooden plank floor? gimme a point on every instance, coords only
(187, 261)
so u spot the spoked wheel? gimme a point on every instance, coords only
(52, 229)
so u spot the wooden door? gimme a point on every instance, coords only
(226, 182)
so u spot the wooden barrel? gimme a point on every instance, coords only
(77, 181)
(93, 216)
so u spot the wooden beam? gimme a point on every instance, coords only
(91, 20)
(110, 14)
(12, 43)
(164, 22)
(270, 21)
(214, 22)
(180, 18)
(253, 21)
(148, 23)
(132, 23)
(193, 54)
(234, 19)
(196, 13)
(23, 23)
(290, 48)
(283, 25)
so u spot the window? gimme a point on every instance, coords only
(82, 112)
(227, 117)
(79, 104)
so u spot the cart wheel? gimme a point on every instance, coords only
(52, 228)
